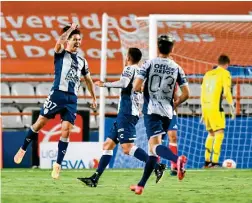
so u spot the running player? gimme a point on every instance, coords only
(216, 83)
(123, 130)
(68, 66)
(161, 75)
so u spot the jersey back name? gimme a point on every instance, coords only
(68, 68)
(161, 75)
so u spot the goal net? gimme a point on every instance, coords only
(197, 47)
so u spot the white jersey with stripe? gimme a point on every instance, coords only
(161, 75)
(129, 102)
(68, 68)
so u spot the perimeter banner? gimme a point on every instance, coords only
(29, 31)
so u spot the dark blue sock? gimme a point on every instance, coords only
(29, 138)
(166, 153)
(141, 155)
(149, 167)
(104, 161)
(62, 147)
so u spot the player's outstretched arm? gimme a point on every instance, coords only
(183, 97)
(122, 83)
(90, 86)
(63, 38)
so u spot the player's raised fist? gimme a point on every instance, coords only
(74, 26)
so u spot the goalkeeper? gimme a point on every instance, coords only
(216, 84)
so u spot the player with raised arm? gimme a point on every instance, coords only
(68, 68)
(123, 131)
(216, 83)
(161, 75)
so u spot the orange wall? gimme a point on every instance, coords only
(40, 24)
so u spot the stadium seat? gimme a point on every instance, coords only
(97, 92)
(115, 92)
(195, 90)
(184, 109)
(27, 120)
(43, 89)
(26, 89)
(93, 122)
(5, 91)
(110, 109)
(81, 93)
(245, 91)
(11, 121)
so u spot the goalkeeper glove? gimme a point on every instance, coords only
(232, 111)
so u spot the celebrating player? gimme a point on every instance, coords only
(68, 66)
(123, 130)
(216, 83)
(161, 75)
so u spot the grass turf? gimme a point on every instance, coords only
(200, 186)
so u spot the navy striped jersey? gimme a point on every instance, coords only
(68, 68)
(129, 102)
(161, 75)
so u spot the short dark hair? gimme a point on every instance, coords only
(223, 60)
(135, 54)
(74, 32)
(165, 44)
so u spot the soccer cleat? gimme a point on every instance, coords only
(19, 156)
(90, 182)
(137, 189)
(181, 167)
(159, 171)
(56, 171)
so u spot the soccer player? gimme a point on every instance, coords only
(123, 131)
(161, 75)
(216, 83)
(68, 66)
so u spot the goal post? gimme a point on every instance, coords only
(154, 18)
(200, 39)
(103, 72)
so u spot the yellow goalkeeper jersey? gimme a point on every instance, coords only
(216, 84)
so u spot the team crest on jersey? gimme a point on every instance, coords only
(72, 76)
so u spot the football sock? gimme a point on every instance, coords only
(31, 135)
(104, 161)
(165, 153)
(208, 147)
(149, 167)
(62, 147)
(139, 153)
(174, 148)
(217, 146)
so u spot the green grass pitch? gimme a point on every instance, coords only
(199, 186)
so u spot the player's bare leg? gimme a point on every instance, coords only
(66, 127)
(31, 135)
(157, 149)
(132, 150)
(108, 147)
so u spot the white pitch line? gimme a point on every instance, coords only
(121, 171)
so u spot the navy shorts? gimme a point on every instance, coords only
(59, 102)
(123, 129)
(156, 124)
(173, 125)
